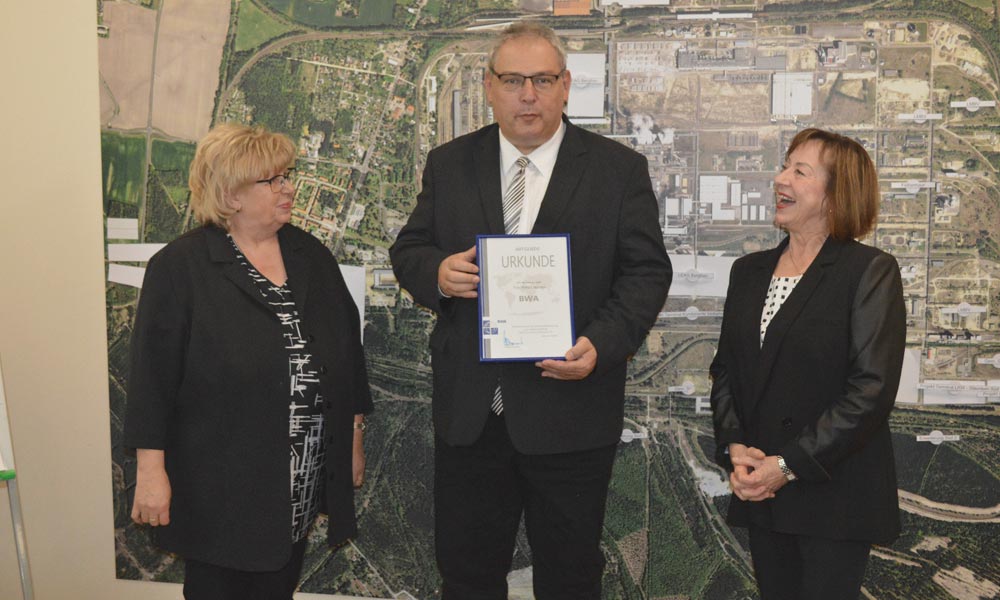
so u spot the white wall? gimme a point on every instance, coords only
(53, 348)
(52, 332)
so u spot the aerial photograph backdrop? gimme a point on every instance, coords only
(711, 92)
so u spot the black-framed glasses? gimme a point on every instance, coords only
(543, 82)
(279, 181)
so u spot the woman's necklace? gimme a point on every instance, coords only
(795, 265)
(798, 270)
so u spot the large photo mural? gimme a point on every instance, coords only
(710, 92)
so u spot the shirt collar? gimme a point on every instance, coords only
(542, 157)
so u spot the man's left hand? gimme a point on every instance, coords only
(580, 361)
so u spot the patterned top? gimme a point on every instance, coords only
(305, 415)
(779, 289)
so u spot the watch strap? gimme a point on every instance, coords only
(785, 469)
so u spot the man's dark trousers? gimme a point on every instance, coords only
(480, 492)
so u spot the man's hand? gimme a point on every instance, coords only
(152, 489)
(580, 362)
(457, 275)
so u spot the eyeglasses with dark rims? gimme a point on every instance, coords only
(278, 181)
(543, 82)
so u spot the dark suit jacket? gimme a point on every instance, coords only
(209, 385)
(818, 392)
(600, 194)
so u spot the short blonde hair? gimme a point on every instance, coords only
(522, 29)
(230, 156)
(852, 193)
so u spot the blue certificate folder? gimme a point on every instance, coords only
(525, 297)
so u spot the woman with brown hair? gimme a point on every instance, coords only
(805, 376)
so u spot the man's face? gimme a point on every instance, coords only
(528, 117)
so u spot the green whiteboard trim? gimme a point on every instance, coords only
(7, 465)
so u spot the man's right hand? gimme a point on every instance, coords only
(457, 275)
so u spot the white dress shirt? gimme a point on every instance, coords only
(536, 174)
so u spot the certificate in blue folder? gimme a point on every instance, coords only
(525, 297)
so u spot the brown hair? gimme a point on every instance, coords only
(852, 193)
(232, 155)
(521, 29)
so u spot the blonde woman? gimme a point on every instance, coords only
(247, 388)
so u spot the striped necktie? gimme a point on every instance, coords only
(513, 200)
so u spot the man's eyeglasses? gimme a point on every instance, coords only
(512, 82)
(278, 181)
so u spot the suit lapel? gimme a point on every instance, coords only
(753, 293)
(296, 267)
(565, 178)
(486, 161)
(220, 250)
(756, 294)
(792, 307)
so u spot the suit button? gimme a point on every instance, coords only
(322, 370)
(786, 422)
(310, 338)
(327, 404)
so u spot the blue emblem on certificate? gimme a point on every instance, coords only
(525, 297)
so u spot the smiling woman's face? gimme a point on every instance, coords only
(800, 191)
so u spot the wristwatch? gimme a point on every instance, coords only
(362, 425)
(785, 470)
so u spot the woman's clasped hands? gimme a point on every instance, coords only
(756, 476)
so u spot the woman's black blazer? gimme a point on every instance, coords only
(818, 392)
(209, 385)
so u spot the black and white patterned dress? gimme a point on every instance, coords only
(305, 416)
(779, 289)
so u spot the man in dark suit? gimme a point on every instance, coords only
(537, 439)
